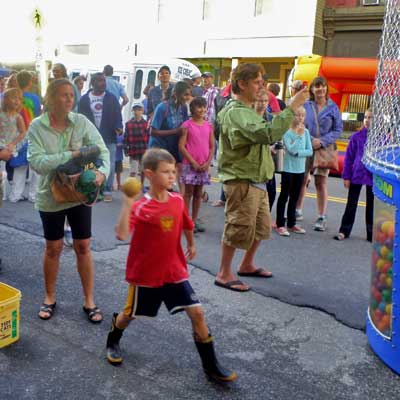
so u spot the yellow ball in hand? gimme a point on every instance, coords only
(131, 187)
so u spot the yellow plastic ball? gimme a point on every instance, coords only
(131, 187)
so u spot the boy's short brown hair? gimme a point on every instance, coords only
(153, 157)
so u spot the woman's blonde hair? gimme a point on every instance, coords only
(10, 93)
(52, 90)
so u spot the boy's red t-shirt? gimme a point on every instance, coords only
(155, 255)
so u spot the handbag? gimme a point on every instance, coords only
(325, 157)
(21, 159)
(63, 188)
(66, 183)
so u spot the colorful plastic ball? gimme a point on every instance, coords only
(385, 321)
(378, 314)
(384, 251)
(388, 229)
(373, 304)
(389, 282)
(386, 295)
(382, 307)
(382, 278)
(388, 309)
(386, 267)
(378, 223)
(380, 263)
(389, 243)
(381, 286)
(377, 296)
(389, 257)
(381, 238)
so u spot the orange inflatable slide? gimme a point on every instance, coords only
(345, 76)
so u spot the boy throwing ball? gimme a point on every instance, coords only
(156, 222)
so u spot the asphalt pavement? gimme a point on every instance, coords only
(298, 335)
(311, 270)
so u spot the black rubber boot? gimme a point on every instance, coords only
(210, 363)
(113, 351)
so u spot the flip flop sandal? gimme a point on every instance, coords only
(229, 285)
(47, 308)
(91, 313)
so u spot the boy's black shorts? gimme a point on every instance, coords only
(146, 301)
(79, 218)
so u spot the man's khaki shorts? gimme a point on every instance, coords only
(247, 216)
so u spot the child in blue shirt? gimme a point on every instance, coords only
(297, 143)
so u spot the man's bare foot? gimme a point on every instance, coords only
(255, 272)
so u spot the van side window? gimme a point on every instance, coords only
(138, 84)
(151, 77)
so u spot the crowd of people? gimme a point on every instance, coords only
(171, 139)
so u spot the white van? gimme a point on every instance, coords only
(134, 76)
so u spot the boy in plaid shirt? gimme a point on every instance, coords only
(136, 137)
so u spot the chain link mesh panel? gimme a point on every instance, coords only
(382, 151)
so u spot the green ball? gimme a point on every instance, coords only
(373, 304)
(387, 295)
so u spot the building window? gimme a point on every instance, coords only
(138, 84)
(260, 7)
(151, 77)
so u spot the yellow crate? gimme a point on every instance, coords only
(9, 314)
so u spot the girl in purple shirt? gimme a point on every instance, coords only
(355, 175)
(196, 145)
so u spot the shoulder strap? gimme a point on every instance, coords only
(316, 120)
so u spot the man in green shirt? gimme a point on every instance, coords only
(244, 165)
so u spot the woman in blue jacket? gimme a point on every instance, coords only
(324, 122)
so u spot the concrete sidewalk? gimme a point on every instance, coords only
(279, 351)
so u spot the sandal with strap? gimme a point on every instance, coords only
(47, 308)
(91, 313)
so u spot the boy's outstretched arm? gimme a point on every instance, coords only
(190, 252)
(122, 228)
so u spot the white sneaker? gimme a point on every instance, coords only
(320, 224)
(299, 215)
(68, 237)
